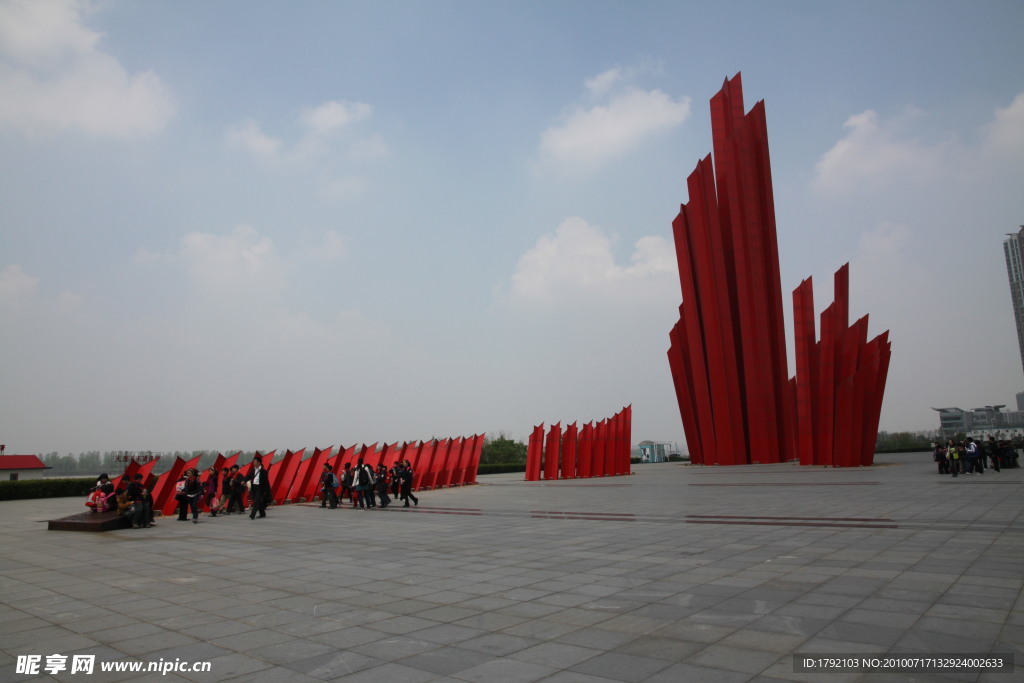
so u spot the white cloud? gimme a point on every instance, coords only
(242, 264)
(321, 124)
(248, 136)
(333, 247)
(886, 243)
(242, 260)
(591, 137)
(369, 149)
(576, 264)
(42, 31)
(343, 187)
(616, 118)
(874, 154)
(331, 116)
(53, 77)
(16, 286)
(1005, 134)
(329, 146)
(603, 82)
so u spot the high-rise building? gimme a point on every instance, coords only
(1014, 250)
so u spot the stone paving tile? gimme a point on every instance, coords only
(576, 677)
(692, 673)
(333, 664)
(396, 647)
(238, 664)
(445, 661)
(596, 638)
(505, 595)
(275, 675)
(660, 648)
(152, 643)
(389, 673)
(751, 639)
(498, 644)
(621, 667)
(555, 655)
(510, 670)
(248, 640)
(731, 658)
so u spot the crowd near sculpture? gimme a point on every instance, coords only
(439, 463)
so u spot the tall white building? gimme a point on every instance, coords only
(1013, 247)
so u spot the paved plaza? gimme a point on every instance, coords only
(676, 573)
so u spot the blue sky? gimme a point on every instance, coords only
(276, 225)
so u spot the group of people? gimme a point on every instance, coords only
(223, 493)
(973, 457)
(134, 502)
(367, 488)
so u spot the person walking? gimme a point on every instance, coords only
(395, 480)
(210, 492)
(328, 487)
(259, 489)
(382, 485)
(363, 486)
(993, 453)
(224, 489)
(347, 483)
(406, 486)
(189, 497)
(971, 450)
(236, 488)
(939, 455)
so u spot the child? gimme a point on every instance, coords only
(96, 500)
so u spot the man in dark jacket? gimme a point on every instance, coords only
(235, 489)
(259, 489)
(142, 501)
(328, 487)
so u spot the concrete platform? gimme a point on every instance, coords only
(90, 521)
(676, 573)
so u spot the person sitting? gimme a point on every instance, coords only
(124, 505)
(142, 501)
(109, 497)
(96, 500)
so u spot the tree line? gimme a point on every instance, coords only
(496, 450)
(905, 442)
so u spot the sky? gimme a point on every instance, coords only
(274, 225)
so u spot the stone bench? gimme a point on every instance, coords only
(90, 521)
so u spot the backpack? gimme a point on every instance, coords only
(334, 481)
(364, 476)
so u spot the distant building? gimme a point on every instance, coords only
(980, 422)
(654, 452)
(17, 467)
(1013, 248)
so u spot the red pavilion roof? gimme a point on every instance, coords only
(21, 462)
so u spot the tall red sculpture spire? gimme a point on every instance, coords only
(728, 349)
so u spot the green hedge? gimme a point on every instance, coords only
(45, 488)
(498, 468)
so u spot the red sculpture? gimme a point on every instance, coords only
(727, 352)
(588, 451)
